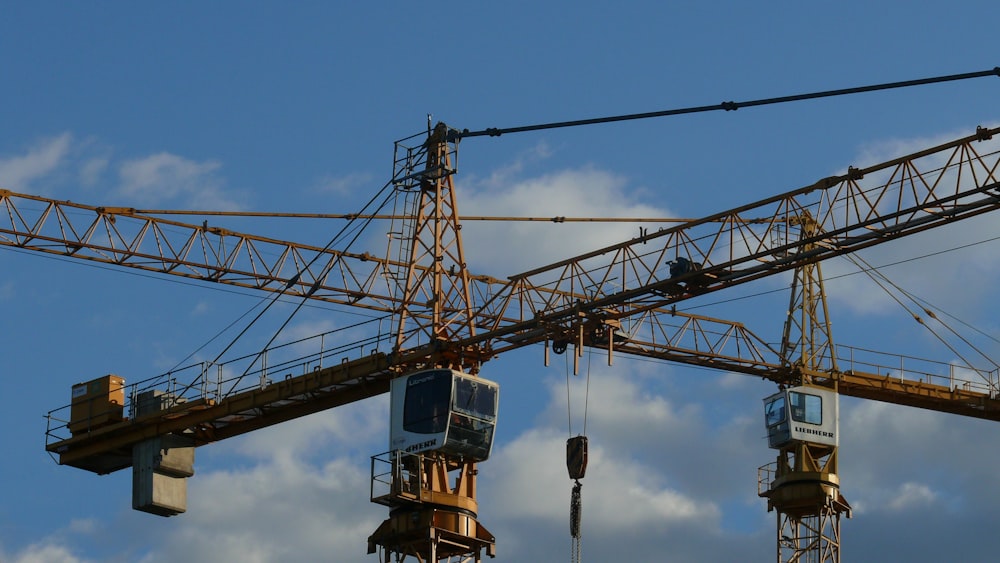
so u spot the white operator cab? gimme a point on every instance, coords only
(443, 410)
(802, 414)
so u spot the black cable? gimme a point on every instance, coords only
(305, 298)
(725, 106)
(164, 277)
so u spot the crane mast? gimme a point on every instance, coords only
(449, 318)
(802, 486)
(431, 491)
(436, 292)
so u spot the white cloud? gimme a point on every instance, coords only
(531, 481)
(83, 526)
(302, 497)
(167, 178)
(884, 150)
(957, 261)
(306, 329)
(346, 184)
(200, 308)
(893, 458)
(45, 554)
(279, 510)
(928, 265)
(46, 551)
(65, 166)
(352, 426)
(20, 173)
(92, 170)
(620, 415)
(507, 174)
(6, 290)
(518, 246)
(912, 496)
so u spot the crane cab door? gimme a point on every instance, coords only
(802, 414)
(443, 410)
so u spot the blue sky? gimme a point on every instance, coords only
(269, 107)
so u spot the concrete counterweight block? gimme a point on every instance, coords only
(161, 465)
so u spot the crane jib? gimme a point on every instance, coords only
(522, 306)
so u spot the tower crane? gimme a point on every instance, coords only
(449, 322)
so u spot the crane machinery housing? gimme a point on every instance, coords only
(448, 322)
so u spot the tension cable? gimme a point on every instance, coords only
(724, 106)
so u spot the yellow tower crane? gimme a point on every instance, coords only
(449, 322)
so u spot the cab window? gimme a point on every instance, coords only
(426, 407)
(806, 407)
(774, 412)
(475, 398)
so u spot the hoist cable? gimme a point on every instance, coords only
(576, 459)
(276, 296)
(586, 392)
(725, 106)
(569, 401)
(323, 273)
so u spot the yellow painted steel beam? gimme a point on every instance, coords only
(921, 394)
(862, 208)
(108, 449)
(631, 278)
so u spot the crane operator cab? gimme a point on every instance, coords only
(802, 414)
(443, 410)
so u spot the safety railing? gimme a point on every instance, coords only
(212, 382)
(765, 476)
(396, 478)
(918, 370)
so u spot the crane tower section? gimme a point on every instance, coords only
(803, 423)
(436, 304)
(442, 416)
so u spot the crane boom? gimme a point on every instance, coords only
(123, 237)
(900, 197)
(578, 300)
(908, 195)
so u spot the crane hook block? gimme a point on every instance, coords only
(576, 457)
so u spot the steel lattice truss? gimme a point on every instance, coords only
(579, 300)
(854, 211)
